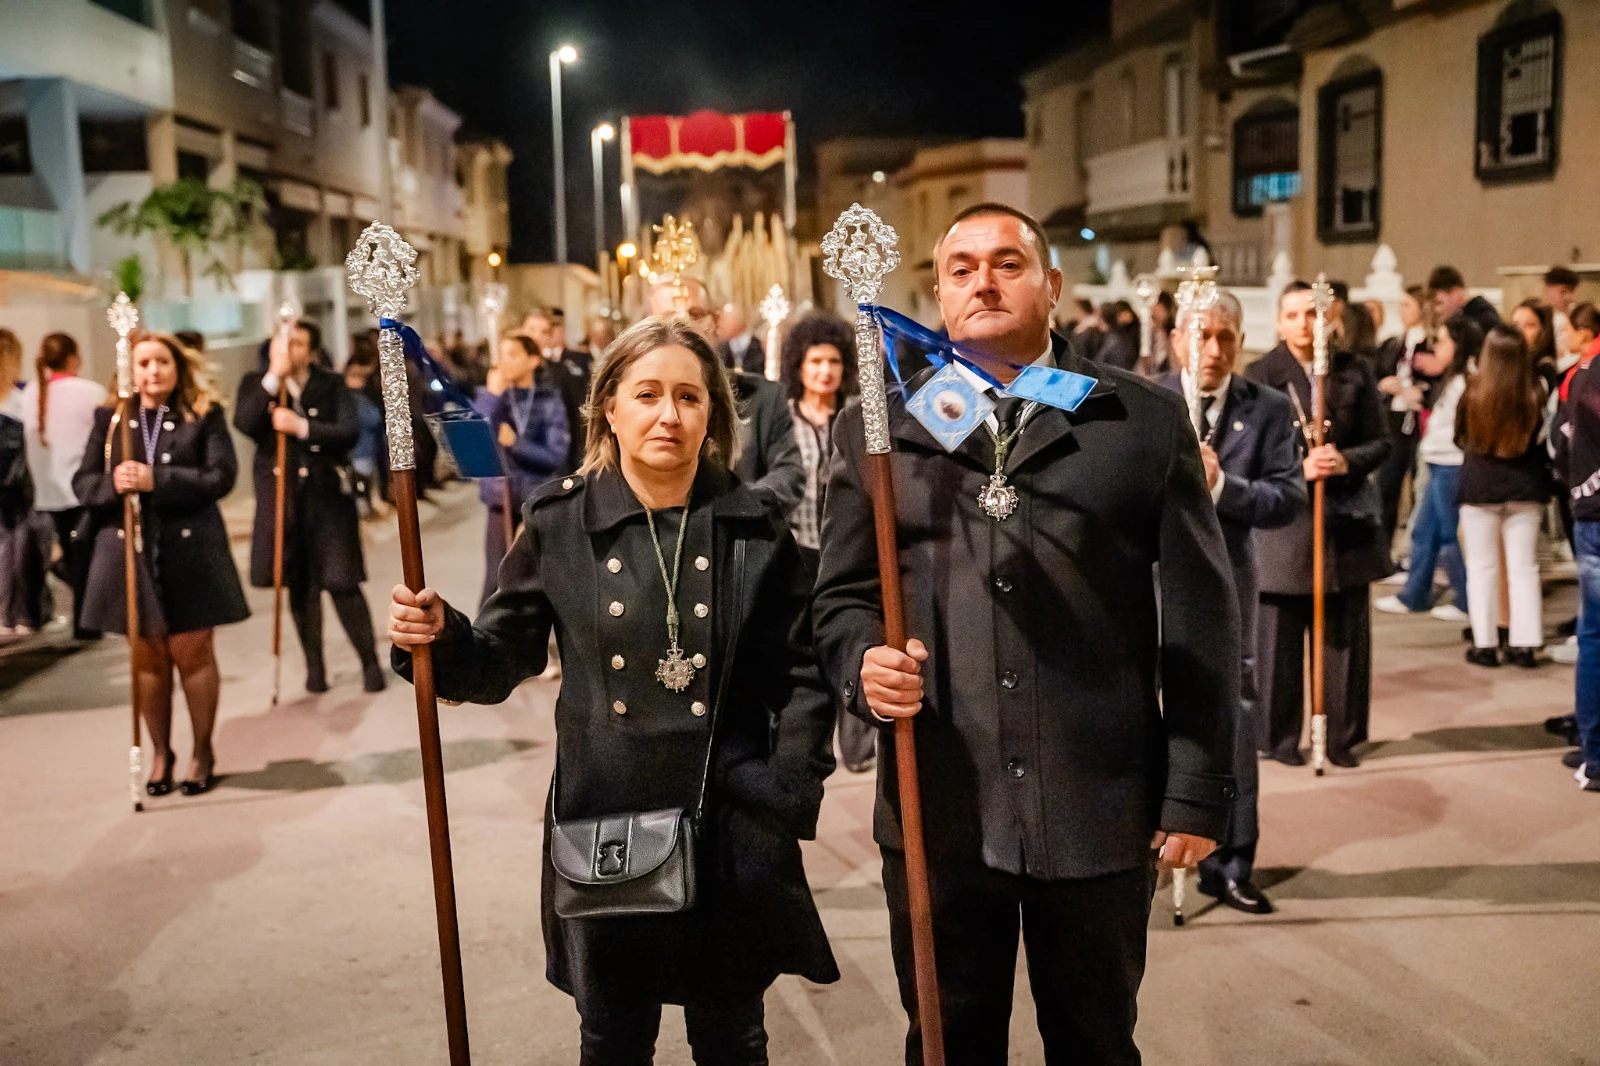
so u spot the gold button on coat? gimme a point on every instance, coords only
(701, 562)
(616, 608)
(618, 662)
(699, 661)
(567, 483)
(697, 709)
(620, 707)
(614, 565)
(701, 610)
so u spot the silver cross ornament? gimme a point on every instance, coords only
(381, 267)
(1196, 296)
(123, 317)
(774, 306)
(860, 251)
(1146, 288)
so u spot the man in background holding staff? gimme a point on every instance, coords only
(1251, 449)
(1356, 443)
(1052, 771)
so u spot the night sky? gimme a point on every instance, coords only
(933, 67)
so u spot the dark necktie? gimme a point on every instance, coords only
(1204, 421)
(1007, 409)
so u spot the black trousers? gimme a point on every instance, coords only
(74, 570)
(858, 739)
(725, 1031)
(305, 608)
(1284, 624)
(1085, 945)
(495, 547)
(1391, 477)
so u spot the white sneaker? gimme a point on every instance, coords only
(1566, 652)
(1391, 605)
(1449, 612)
(1399, 577)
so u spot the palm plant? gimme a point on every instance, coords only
(196, 220)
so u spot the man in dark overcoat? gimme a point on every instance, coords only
(1251, 447)
(321, 529)
(1355, 556)
(1053, 766)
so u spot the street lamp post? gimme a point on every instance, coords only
(565, 54)
(597, 136)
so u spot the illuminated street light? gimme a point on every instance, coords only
(565, 54)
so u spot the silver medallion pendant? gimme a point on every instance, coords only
(675, 672)
(998, 500)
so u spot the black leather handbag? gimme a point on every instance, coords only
(617, 865)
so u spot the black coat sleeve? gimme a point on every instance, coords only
(788, 784)
(781, 471)
(1371, 430)
(335, 429)
(1199, 648)
(188, 487)
(1278, 491)
(848, 600)
(483, 660)
(92, 484)
(252, 409)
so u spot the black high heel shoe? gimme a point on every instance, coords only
(160, 786)
(194, 787)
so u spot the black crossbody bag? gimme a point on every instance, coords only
(617, 865)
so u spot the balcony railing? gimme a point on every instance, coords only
(1152, 172)
(252, 65)
(298, 112)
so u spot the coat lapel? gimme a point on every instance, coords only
(1051, 426)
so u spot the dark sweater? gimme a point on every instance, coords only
(1489, 479)
(1575, 439)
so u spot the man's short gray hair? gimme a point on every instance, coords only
(1227, 303)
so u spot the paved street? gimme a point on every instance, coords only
(1439, 905)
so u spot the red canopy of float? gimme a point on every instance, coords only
(707, 140)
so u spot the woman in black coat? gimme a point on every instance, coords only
(596, 558)
(321, 529)
(181, 462)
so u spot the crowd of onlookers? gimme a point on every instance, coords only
(1484, 468)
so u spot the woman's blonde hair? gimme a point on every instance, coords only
(638, 340)
(193, 391)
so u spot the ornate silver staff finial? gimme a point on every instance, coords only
(774, 306)
(381, 267)
(1146, 288)
(860, 251)
(774, 309)
(495, 295)
(1196, 296)
(1321, 301)
(124, 318)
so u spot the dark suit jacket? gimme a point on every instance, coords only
(768, 456)
(1042, 745)
(1259, 447)
(319, 521)
(754, 360)
(571, 375)
(1356, 552)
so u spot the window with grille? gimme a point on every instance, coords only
(1266, 157)
(1350, 158)
(1519, 76)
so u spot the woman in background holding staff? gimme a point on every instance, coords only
(682, 610)
(181, 463)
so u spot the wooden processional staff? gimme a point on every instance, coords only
(1195, 297)
(1316, 436)
(860, 251)
(288, 315)
(124, 318)
(381, 268)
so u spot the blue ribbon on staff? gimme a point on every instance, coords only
(438, 378)
(464, 431)
(1047, 385)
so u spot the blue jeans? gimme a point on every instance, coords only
(1433, 538)
(1586, 542)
